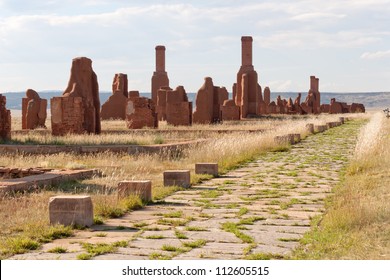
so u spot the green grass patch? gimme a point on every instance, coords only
(211, 194)
(288, 239)
(250, 197)
(242, 211)
(161, 192)
(180, 235)
(159, 256)
(233, 228)
(99, 248)
(175, 214)
(57, 250)
(195, 228)
(84, 256)
(250, 220)
(264, 256)
(195, 244)
(155, 236)
(205, 216)
(172, 222)
(170, 248)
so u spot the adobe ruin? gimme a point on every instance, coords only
(140, 112)
(209, 100)
(178, 108)
(230, 111)
(115, 106)
(245, 91)
(78, 109)
(33, 110)
(160, 76)
(5, 120)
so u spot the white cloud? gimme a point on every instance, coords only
(307, 39)
(376, 55)
(279, 85)
(317, 16)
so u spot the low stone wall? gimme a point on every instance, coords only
(46, 179)
(86, 149)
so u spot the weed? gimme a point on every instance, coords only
(159, 256)
(264, 256)
(211, 194)
(176, 214)
(195, 228)
(57, 250)
(180, 235)
(84, 256)
(242, 211)
(155, 236)
(172, 222)
(233, 228)
(195, 244)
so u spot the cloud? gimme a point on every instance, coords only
(280, 86)
(317, 16)
(307, 39)
(376, 55)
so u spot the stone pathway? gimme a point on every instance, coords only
(264, 207)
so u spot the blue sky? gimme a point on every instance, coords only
(344, 43)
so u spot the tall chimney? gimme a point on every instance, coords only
(160, 59)
(246, 50)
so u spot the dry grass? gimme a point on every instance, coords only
(20, 215)
(356, 225)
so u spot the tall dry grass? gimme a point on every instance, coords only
(357, 223)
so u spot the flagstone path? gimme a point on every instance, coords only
(264, 207)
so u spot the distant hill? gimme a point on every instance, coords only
(369, 99)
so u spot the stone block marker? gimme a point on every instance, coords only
(341, 119)
(143, 189)
(320, 128)
(296, 137)
(179, 178)
(285, 139)
(310, 127)
(206, 168)
(71, 210)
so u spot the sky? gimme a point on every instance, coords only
(346, 44)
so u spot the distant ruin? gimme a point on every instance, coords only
(178, 108)
(140, 112)
(5, 120)
(209, 100)
(33, 110)
(245, 91)
(78, 109)
(115, 106)
(160, 76)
